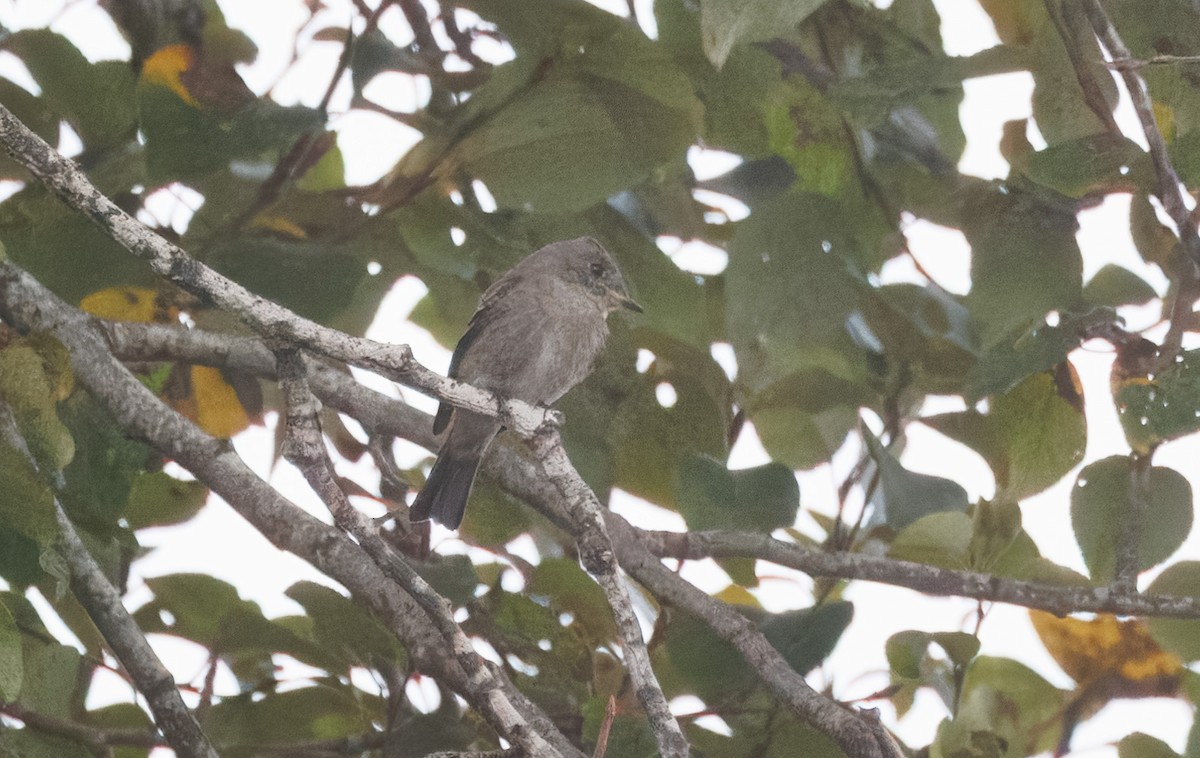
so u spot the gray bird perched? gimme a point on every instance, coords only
(536, 334)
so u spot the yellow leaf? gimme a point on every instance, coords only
(736, 594)
(129, 304)
(1103, 647)
(281, 226)
(1165, 116)
(166, 68)
(217, 408)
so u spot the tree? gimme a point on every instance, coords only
(845, 119)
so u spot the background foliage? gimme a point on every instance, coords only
(845, 118)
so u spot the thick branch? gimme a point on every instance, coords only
(304, 447)
(585, 518)
(103, 604)
(25, 304)
(383, 415)
(271, 320)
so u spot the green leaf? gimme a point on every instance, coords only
(608, 112)
(27, 506)
(1096, 163)
(27, 387)
(192, 606)
(925, 329)
(807, 636)
(803, 418)
(96, 98)
(1163, 407)
(12, 666)
(706, 665)
(1031, 436)
(711, 496)
(1009, 700)
(344, 630)
(99, 479)
(650, 441)
(905, 496)
(568, 587)
(296, 716)
(315, 279)
(725, 23)
(940, 539)
(51, 676)
(1114, 286)
(787, 299)
(26, 743)
(1179, 636)
(158, 499)
(1025, 261)
(34, 113)
(452, 576)
(61, 247)
(1100, 508)
(1139, 745)
(908, 650)
(1011, 360)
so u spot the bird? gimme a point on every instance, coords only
(537, 333)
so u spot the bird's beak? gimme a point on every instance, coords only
(625, 301)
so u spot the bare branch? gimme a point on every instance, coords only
(304, 447)
(933, 580)
(103, 604)
(98, 740)
(272, 321)
(851, 731)
(384, 415)
(1170, 192)
(25, 304)
(585, 515)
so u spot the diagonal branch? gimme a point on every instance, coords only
(271, 320)
(103, 604)
(585, 516)
(379, 414)
(304, 447)
(26, 305)
(280, 326)
(1170, 191)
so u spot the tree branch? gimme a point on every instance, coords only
(103, 604)
(932, 580)
(585, 516)
(26, 305)
(383, 415)
(304, 447)
(97, 740)
(271, 320)
(1170, 192)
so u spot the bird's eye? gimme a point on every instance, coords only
(597, 269)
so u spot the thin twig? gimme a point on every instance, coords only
(610, 713)
(1170, 192)
(98, 740)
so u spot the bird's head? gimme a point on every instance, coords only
(585, 263)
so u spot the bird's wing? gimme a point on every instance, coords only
(489, 306)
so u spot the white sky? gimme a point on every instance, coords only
(220, 543)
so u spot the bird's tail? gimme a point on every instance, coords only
(444, 496)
